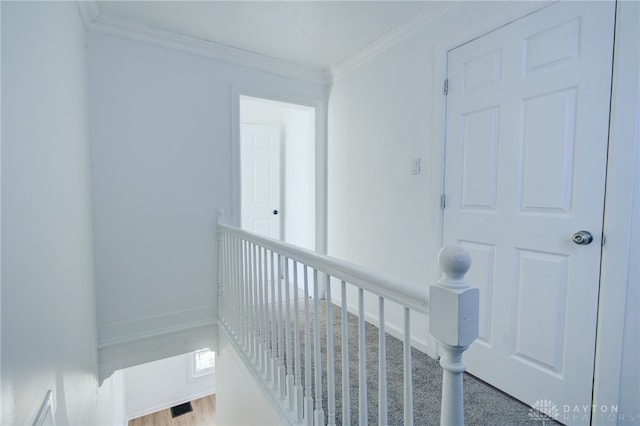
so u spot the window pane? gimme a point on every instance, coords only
(205, 360)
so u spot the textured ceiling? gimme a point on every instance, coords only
(317, 34)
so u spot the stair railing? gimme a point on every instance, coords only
(270, 295)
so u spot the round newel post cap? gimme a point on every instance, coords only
(454, 261)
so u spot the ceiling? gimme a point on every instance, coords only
(315, 34)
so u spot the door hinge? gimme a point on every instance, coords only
(443, 201)
(445, 88)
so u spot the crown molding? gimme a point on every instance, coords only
(88, 11)
(96, 22)
(396, 34)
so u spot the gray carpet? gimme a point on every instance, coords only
(484, 405)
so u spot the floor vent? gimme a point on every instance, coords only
(181, 409)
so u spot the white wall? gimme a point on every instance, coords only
(388, 110)
(160, 123)
(161, 384)
(299, 175)
(48, 305)
(240, 400)
(382, 115)
(630, 373)
(111, 401)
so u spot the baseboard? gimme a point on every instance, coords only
(169, 404)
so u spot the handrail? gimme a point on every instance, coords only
(258, 313)
(407, 293)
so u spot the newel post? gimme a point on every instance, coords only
(454, 322)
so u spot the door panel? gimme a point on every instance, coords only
(260, 186)
(547, 127)
(480, 147)
(526, 142)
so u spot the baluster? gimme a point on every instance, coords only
(236, 288)
(237, 283)
(231, 285)
(281, 348)
(226, 264)
(346, 389)
(453, 301)
(227, 261)
(308, 398)
(288, 338)
(331, 374)
(274, 335)
(228, 277)
(382, 366)
(247, 295)
(237, 326)
(260, 312)
(231, 300)
(297, 366)
(319, 412)
(265, 314)
(362, 360)
(253, 297)
(245, 305)
(408, 380)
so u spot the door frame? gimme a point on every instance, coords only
(624, 134)
(319, 106)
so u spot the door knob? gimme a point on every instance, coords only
(275, 212)
(582, 238)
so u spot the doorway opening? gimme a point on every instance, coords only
(278, 170)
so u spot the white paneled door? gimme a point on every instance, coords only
(260, 187)
(525, 169)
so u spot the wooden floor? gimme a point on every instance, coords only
(202, 415)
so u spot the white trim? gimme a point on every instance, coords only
(168, 405)
(396, 34)
(320, 106)
(135, 352)
(88, 11)
(624, 141)
(406, 293)
(153, 326)
(97, 22)
(46, 415)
